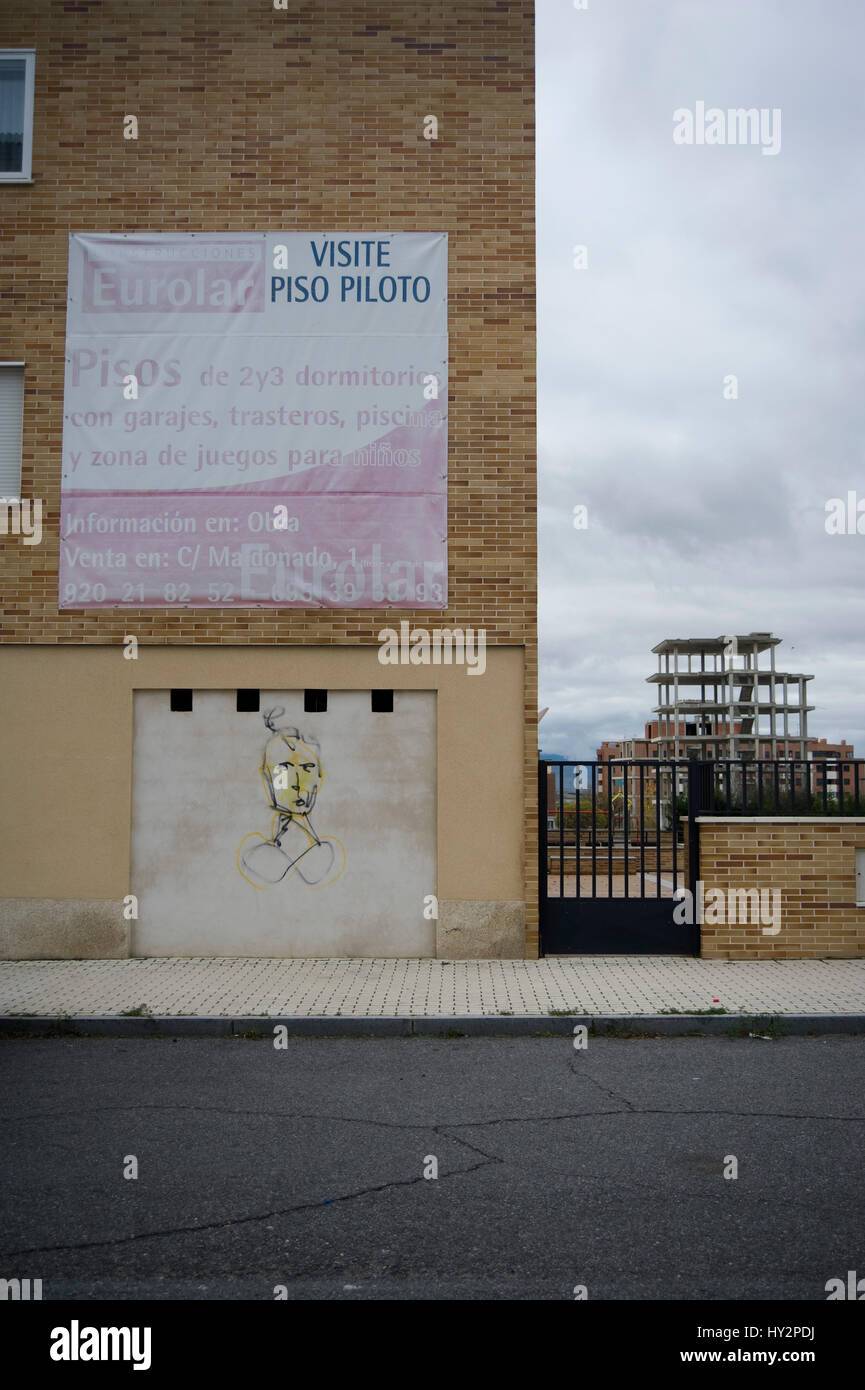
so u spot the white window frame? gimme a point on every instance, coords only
(860, 877)
(25, 173)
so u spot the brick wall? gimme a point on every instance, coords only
(311, 118)
(812, 861)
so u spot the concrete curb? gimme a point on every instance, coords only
(487, 1025)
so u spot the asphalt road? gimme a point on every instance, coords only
(304, 1168)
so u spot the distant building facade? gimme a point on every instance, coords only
(730, 698)
(725, 698)
(829, 760)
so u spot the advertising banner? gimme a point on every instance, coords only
(255, 420)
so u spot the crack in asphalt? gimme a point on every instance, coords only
(214, 1110)
(443, 1130)
(630, 1108)
(439, 1130)
(589, 1114)
(579, 1069)
(246, 1220)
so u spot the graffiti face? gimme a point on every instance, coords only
(292, 773)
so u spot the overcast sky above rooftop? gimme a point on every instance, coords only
(706, 516)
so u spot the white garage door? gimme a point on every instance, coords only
(284, 833)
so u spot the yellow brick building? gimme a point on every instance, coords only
(121, 816)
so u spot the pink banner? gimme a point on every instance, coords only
(255, 550)
(249, 422)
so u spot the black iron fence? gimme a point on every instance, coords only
(780, 787)
(618, 827)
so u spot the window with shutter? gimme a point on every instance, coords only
(11, 417)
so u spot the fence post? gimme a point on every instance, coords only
(693, 812)
(542, 851)
(699, 775)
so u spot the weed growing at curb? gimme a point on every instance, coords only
(695, 1013)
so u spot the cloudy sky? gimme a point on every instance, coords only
(706, 515)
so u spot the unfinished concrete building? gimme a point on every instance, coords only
(722, 697)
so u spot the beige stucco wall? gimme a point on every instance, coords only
(66, 750)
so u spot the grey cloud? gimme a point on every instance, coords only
(706, 515)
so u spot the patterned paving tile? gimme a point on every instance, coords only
(406, 988)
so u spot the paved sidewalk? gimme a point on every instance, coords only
(619, 986)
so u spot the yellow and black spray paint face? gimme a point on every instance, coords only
(292, 774)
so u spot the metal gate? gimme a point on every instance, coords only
(617, 839)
